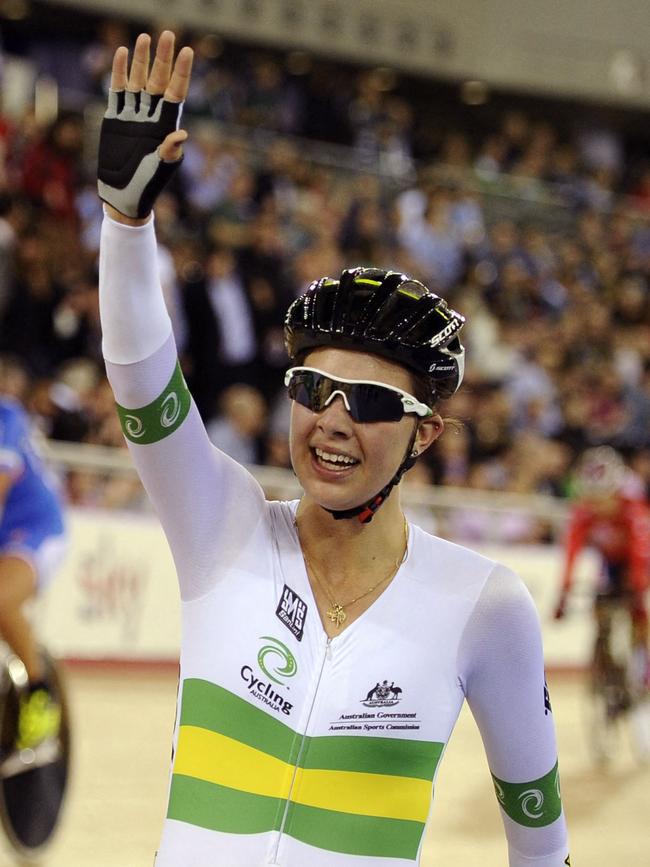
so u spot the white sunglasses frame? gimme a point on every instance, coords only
(409, 403)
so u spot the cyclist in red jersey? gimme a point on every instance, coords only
(612, 516)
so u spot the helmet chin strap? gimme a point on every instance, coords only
(366, 511)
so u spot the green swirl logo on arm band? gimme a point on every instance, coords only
(161, 417)
(532, 804)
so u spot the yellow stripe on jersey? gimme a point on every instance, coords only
(364, 794)
(215, 758)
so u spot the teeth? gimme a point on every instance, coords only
(334, 459)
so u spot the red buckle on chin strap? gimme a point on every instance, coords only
(370, 509)
(365, 513)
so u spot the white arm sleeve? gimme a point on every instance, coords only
(134, 318)
(502, 668)
(208, 504)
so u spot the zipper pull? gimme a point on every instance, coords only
(328, 649)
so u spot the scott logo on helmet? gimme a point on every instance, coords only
(448, 331)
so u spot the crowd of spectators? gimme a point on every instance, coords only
(538, 233)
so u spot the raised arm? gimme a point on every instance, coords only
(208, 505)
(576, 537)
(502, 670)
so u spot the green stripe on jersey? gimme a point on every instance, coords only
(212, 707)
(534, 804)
(161, 417)
(207, 705)
(373, 755)
(220, 808)
(353, 834)
(240, 770)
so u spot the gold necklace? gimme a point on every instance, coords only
(336, 613)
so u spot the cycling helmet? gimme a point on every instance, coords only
(600, 472)
(389, 314)
(385, 312)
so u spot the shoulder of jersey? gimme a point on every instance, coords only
(443, 550)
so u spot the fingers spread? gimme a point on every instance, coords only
(162, 65)
(166, 77)
(140, 63)
(179, 84)
(118, 71)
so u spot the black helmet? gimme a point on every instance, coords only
(384, 312)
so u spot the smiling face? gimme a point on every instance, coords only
(341, 463)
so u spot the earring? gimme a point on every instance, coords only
(415, 453)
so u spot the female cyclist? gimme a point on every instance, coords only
(328, 645)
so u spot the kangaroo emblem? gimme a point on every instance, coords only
(372, 692)
(383, 692)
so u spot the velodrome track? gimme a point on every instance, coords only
(123, 719)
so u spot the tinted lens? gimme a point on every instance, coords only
(311, 389)
(373, 403)
(367, 402)
(301, 389)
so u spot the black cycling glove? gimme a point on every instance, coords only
(130, 172)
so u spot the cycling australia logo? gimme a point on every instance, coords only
(383, 694)
(276, 660)
(278, 665)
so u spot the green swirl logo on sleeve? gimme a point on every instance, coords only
(161, 417)
(532, 804)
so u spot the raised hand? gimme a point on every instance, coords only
(140, 142)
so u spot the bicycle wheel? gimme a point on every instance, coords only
(33, 783)
(602, 731)
(607, 703)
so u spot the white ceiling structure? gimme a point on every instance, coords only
(596, 50)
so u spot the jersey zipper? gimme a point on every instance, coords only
(327, 655)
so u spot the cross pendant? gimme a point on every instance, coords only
(337, 615)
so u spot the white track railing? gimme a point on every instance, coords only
(282, 484)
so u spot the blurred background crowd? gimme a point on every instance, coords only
(531, 218)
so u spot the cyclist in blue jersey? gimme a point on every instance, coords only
(32, 544)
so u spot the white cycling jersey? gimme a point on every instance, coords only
(290, 748)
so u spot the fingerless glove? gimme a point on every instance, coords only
(130, 173)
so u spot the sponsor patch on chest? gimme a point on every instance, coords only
(292, 612)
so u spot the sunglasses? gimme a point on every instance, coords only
(365, 400)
